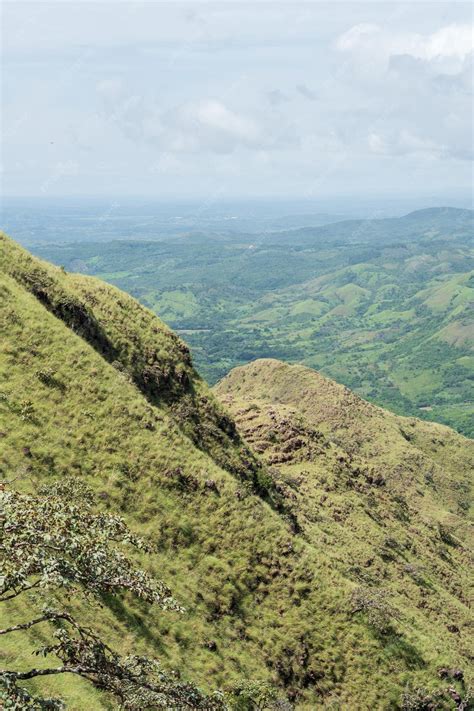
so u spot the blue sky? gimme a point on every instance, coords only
(237, 99)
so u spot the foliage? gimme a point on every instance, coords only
(17, 698)
(420, 699)
(136, 682)
(257, 696)
(375, 606)
(56, 540)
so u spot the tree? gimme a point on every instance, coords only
(55, 541)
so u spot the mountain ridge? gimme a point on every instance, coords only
(363, 226)
(381, 491)
(265, 599)
(387, 312)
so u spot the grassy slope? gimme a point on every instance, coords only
(384, 306)
(386, 497)
(274, 604)
(218, 552)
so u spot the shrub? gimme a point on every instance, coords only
(26, 410)
(47, 376)
(56, 541)
(256, 696)
(374, 604)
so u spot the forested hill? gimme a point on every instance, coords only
(373, 229)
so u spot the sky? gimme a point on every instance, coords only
(210, 100)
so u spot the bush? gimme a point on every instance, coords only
(374, 604)
(26, 410)
(56, 541)
(257, 696)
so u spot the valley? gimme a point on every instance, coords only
(384, 306)
(236, 356)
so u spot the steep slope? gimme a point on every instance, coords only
(228, 557)
(262, 601)
(383, 306)
(386, 497)
(139, 346)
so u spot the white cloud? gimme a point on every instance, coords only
(359, 36)
(206, 125)
(401, 143)
(202, 125)
(414, 89)
(454, 41)
(261, 95)
(209, 125)
(213, 115)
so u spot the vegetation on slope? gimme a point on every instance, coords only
(55, 543)
(384, 306)
(388, 498)
(262, 601)
(140, 347)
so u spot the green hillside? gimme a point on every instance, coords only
(388, 498)
(93, 384)
(383, 306)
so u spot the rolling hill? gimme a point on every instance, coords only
(314, 540)
(383, 306)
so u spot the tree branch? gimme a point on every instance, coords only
(18, 592)
(45, 672)
(44, 618)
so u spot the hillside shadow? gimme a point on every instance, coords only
(395, 645)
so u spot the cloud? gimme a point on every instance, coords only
(402, 143)
(454, 41)
(208, 125)
(434, 74)
(306, 92)
(275, 97)
(405, 143)
(359, 36)
(263, 96)
(414, 89)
